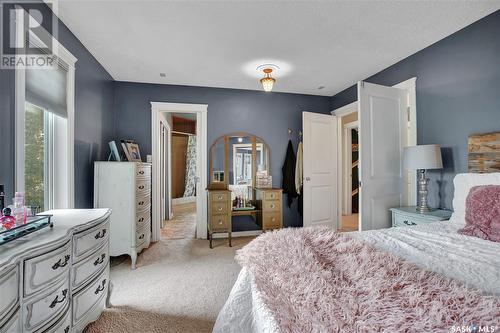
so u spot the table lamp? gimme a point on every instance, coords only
(422, 158)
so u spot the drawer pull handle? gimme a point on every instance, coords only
(141, 172)
(100, 259)
(141, 236)
(273, 219)
(66, 329)
(272, 206)
(220, 221)
(141, 187)
(100, 287)
(141, 219)
(220, 208)
(57, 300)
(141, 203)
(409, 222)
(100, 234)
(219, 197)
(272, 196)
(61, 263)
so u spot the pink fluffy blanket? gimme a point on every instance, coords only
(316, 280)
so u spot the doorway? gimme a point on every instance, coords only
(179, 207)
(349, 152)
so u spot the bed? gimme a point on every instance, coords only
(470, 263)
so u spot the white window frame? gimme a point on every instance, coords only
(20, 100)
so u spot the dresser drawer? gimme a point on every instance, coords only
(142, 235)
(85, 300)
(143, 202)
(63, 325)
(13, 325)
(405, 221)
(271, 205)
(87, 268)
(272, 221)
(272, 195)
(219, 207)
(143, 185)
(142, 218)
(143, 172)
(9, 291)
(46, 268)
(46, 306)
(219, 223)
(220, 196)
(89, 240)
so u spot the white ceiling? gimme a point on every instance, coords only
(220, 43)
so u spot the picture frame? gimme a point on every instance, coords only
(114, 151)
(134, 152)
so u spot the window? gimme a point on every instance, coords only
(44, 132)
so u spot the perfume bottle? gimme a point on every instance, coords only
(19, 211)
(7, 221)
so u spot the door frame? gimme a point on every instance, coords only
(167, 159)
(157, 108)
(411, 93)
(347, 158)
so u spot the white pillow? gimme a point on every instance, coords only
(463, 182)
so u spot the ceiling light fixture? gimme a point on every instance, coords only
(163, 75)
(267, 81)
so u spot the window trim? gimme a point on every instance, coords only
(20, 99)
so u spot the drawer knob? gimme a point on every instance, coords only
(141, 219)
(272, 196)
(409, 222)
(141, 187)
(220, 221)
(219, 208)
(61, 263)
(100, 287)
(57, 300)
(100, 234)
(272, 206)
(141, 172)
(100, 259)
(219, 197)
(141, 203)
(66, 329)
(273, 219)
(141, 236)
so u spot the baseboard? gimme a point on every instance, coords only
(239, 234)
(183, 200)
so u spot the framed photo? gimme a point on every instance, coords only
(134, 152)
(114, 151)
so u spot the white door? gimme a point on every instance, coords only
(382, 121)
(320, 169)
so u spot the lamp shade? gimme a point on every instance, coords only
(423, 157)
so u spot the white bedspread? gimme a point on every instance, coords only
(436, 247)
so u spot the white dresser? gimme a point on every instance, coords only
(56, 279)
(125, 187)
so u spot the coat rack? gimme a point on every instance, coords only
(290, 132)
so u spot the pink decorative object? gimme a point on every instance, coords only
(321, 281)
(482, 213)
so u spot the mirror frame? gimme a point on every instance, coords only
(224, 185)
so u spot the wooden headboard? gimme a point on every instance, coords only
(484, 153)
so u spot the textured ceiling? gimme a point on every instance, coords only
(220, 43)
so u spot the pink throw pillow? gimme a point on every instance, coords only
(482, 213)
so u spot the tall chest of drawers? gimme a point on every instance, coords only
(125, 187)
(269, 201)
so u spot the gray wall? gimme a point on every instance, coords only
(267, 115)
(458, 94)
(93, 119)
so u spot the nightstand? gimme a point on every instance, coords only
(408, 216)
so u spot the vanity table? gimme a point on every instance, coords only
(237, 160)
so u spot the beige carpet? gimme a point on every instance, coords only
(178, 286)
(183, 224)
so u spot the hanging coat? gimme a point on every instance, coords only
(288, 171)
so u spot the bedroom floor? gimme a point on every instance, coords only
(183, 225)
(178, 286)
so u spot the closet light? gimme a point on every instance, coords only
(267, 81)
